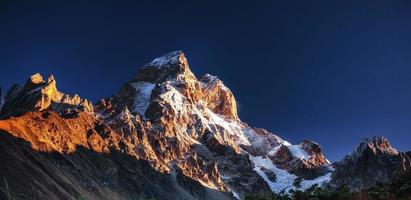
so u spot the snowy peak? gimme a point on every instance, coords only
(167, 67)
(167, 100)
(168, 83)
(169, 59)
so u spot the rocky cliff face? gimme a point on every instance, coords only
(166, 134)
(166, 102)
(374, 160)
(38, 95)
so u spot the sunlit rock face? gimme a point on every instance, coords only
(167, 122)
(175, 120)
(38, 95)
(218, 97)
(374, 160)
(184, 128)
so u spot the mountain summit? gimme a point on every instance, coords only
(374, 160)
(168, 102)
(166, 134)
(38, 95)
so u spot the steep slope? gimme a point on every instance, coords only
(62, 157)
(184, 131)
(374, 160)
(200, 115)
(56, 158)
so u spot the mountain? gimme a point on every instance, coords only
(38, 95)
(374, 160)
(166, 134)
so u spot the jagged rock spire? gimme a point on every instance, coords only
(38, 94)
(171, 71)
(165, 67)
(218, 97)
(375, 145)
(374, 160)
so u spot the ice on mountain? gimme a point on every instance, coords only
(298, 152)
(175, 99)
(168, 59)
(305, 184)
(231, 127)
(143, 96)
(284, 180)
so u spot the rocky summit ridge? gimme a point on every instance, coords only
(38, 95)
(166, 134)
(374, 160)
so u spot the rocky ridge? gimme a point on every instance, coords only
(201, 116)
(183, 130)
(38, 95)
(374, 160)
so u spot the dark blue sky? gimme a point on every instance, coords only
(331, 72)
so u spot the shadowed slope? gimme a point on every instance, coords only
(32, 168)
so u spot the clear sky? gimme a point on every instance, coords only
(331, 72)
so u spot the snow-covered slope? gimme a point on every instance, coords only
(143, 90)
(284, 180)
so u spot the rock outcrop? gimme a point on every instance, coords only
(38, 95)
(374, 160)
(305, 160)
(218, 97)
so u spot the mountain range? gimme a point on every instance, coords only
(166, 134)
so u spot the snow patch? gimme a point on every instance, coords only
(295, 150)
(175, 99)
(235, 194)
(274, 150)
(210, 81)
(298, 152)
(143, 96)
(284, 180)
(305, 184)
(255, 139)
(232, 128)
(171, 58)
(286, 143)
